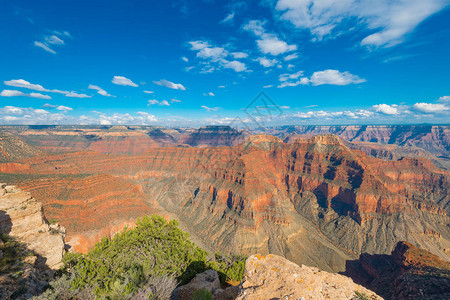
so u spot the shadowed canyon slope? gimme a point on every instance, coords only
(315, 200)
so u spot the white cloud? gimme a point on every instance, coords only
(239, 54)
(271, 44)
(120, 80)
(37, 87)
(210, 109)
(76, 95)
(99, 90)
(64, 108)
(44, 46)
(430, 107)
(164, 103)
(255, 26)
(54, 40)
(142, 118)
(25, 84)
(267, 86)
(170, 85)
(391, 19)
(228, 18)
(175, 101)
(152, 102)
(285, 77)
(290, 66)
(149, 92)
(41, 111)
(334, 77)
(291, 57)
(301, 81)
(15, 93)
(11, 110)
(444, 99)
(147, 117)
(386, 109)
(235, 65)
(285, 107)
(185, 59)
(266, 62)
(209, 94)
(268, 43)
(215, 58)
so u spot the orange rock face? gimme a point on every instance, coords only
(91, 206)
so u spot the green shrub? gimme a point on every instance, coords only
(150, 259)
(202, 294)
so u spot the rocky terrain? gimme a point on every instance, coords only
(122, 139)
(408, 273)
(298, 200)
(13, 148)
(274, 277)
(382, 141)
(30, 247)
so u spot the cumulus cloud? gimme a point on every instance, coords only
(64, 108)
(291, 57)
(99, 90)
(210, 109)
(141, 118)
(235, 65)
(271, 44)
(386, 109)
(444, 99)
(15, 93)
(239, 54)
(164, 103)
(430, 107)
(170, 85)
(391, 20)
(120, 80)
(268, 43)
(266, 63)
(12, 115)
(37, 87)
(334, 77)
(152, 102)
(215, 58)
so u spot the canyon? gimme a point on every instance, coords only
(294, 195)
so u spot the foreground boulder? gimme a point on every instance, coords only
(22, 218)
(274, 277)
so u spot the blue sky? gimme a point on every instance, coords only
(192, 63)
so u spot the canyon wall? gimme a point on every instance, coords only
(300, 200)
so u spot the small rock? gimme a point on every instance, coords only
(208, 280)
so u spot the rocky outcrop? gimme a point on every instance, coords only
(408, 273)
(274, 277)
(22, 217)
